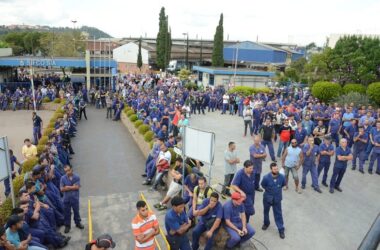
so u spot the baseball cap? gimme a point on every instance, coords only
(236, 196)
(105, 240)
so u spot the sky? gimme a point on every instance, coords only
(281, 21)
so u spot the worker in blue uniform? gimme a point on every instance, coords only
(360, 140)
(343, 155)
(244, 183)
(70, 185)
(375, 142)
(273, 183)
(311, 156)
(326, 150)
(257, 155)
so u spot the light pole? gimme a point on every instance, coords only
(74, 22)
(184, 42)
(236, 59)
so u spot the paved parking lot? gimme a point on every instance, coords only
(312, 220)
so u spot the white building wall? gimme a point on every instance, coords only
(128, 53)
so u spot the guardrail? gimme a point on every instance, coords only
(161, 232)
(89, 221)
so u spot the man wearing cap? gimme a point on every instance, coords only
(103, 242)
(326, 150)
(244, 183)
(145, 227)
(343, 155)
(273, 183)
(177, 223)
(257, 155)
(236, 225)
(70, 185)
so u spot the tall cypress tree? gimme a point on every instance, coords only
(161, 41)
(139, 57)
(217, 53)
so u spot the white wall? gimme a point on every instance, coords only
(5, 51)
(128, 53)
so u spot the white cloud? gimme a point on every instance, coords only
(295, 21)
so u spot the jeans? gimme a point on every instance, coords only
(248, 124)
(314, 175)
(178, 242)
(337, 177)
(224, 108)
(36, 134)
(375, 156)
(325, 166)
(235, 238)
(197, 232)
(231, 107)
(269, 144)
(361, 155)
(282, 145)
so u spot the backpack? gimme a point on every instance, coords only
(208, 188)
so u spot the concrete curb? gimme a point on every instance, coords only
(137, 137)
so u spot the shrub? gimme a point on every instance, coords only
(28, 165)
(173, 154)
(191, 85)
(133, 118)
(51, 124)
(143, 129)
(60, 110)
(40, 148)
(57, 100)
(352, 97)
(151, 144)
(265, 90)
(18, 183)
(48, 131)
(46, 99)
(126, 109)
(148, 136)
(243, 90)
(354, 87)
(138, 123)
(5, 210)
(326, 91)
(130, 112)
(373, 91)
(43, 140)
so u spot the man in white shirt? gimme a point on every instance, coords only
(226, 99)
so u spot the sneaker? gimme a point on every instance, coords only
(361, 171)
(147, 182)
(353, 168)
(318, 190)
(143, 175)
(325, 184)
(157, 205)
(162, 207)
(331, 191)
(282, 235)
(303, 187)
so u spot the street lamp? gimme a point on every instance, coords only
(236, 59)
(184, 42)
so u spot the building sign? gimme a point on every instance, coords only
(38, 62)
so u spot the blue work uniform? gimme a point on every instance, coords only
(232, 213)
(205, 223)
(247, 185)
(257, 162)
(36, 129)
(359, 150)
(300, 135)
(173, 222)
(71, 199)
(7, 185)
(334, 130)
(351, 131)
(324, 161)
(272, 198)
(339, 167)
(375, 156)
(309, 165)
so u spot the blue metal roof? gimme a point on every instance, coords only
(55, 62)
(250, 46)
(223, 71)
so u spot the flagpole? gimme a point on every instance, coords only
(32, 83)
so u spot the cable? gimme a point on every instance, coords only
(260, 243)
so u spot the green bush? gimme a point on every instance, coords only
(57, 100)
(28, 165)
(242, 90)
(133, 118)
(354, 87)
(46, 99)
(43, 140)
(18, 183)
(138, 123)
(51, 124)
(47, 131)
(126, 109)
(373, 91)
(151, 144)
(130, 112)
(40, 148)
(143, 129)
(148, 136)
(191, 86)
(352, 97)
(326, 91)
(173, 154)
(265, 90)
(5, 210)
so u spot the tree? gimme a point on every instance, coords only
(217, 53)
(163, 41)
(4, 44)
(139, 57)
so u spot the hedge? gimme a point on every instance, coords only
(190, 86)
(43, 140)
(133, 118)
(247, 91)
(40, 148)
(57, 100)
(18, 183)
(5, 210)
(46, 99)
(143, 129)
(28, 165)
(326, 91)
(51, 125)
(151, 144)
(138, 123)
(148, 136)
(126, 109)
(173, 155)
(373, 91)
(130, 112)
(354, 87)
(48, 131)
